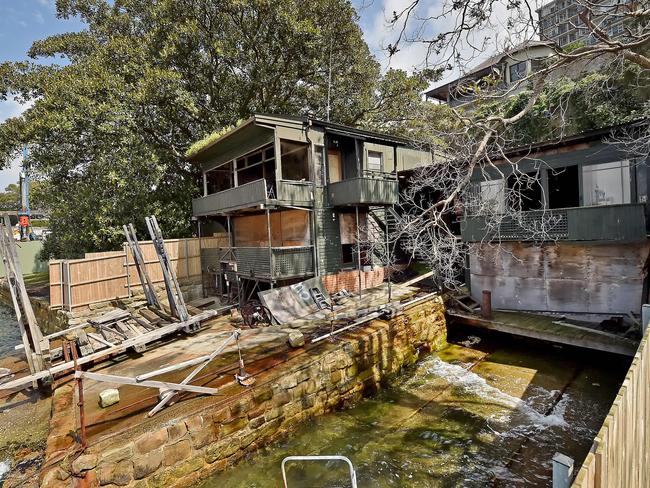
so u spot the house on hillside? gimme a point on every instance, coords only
(592, 199)
(295, 194)
(497, 74)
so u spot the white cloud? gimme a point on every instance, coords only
(424, 24)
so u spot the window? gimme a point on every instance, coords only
(492, 196)
(606, 183)
(518, 71)
(375, 161)
(256, 165)
(295, 162)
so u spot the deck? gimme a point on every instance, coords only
(547, 328)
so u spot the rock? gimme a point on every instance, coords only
(177, 452)
(109, 397)
(119, 474)
(145, 465)
(85, 462)
(296, 339)
(151, 440)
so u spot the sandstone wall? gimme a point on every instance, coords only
(331, 376)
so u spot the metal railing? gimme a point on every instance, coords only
(254, 193)
(353, 474)
(378, 190)
(624, 222)
(285, 262)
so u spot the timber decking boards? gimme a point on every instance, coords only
(543, 327)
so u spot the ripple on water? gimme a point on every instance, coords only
(9, 331)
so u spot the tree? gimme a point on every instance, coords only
(10, 198)
(143, 80)
(546, 103)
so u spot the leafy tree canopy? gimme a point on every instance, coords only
(145, 79)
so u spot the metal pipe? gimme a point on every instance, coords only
(80, 404)
(486, 306)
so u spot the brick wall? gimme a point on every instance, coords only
(350, 280)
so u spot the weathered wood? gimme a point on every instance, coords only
(143, 339)
(140, 265)
(126, 380)
(417, 279)
(173, 367)
(167, 397)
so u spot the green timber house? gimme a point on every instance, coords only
(294, 195)
(591, 199)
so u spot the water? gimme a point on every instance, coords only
(9, 331)
(492, 412)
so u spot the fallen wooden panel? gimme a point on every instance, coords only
(126, 380)
(542, 328)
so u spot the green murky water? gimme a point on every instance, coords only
(9, 331)
(488, 413)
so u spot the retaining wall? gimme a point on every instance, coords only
(198, 444)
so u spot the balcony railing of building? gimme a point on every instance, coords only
(258, 192)
(624, 222)
(372, 188)
(274, 263)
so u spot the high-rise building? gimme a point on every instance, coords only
(559, 21)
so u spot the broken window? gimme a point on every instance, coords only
(256, 165)
(492, 196)
(375, 161)
(563, 187)
(606, 183)
(518, 71)
(524, 192)
(219, 179)
(295, 160)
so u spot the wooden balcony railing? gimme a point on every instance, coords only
(381, 189)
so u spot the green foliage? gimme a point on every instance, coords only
(10, 198)
(201, 144)
(108, 130)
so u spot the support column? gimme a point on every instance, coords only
(356, 209)
(268, 229)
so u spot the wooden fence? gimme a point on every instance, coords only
(103, 276)
(620, 453)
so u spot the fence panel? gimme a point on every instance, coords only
(621, 451)
(103, 276)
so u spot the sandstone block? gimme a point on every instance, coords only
(176, 431)
(296, 339)
(233, 426)
(144, 465)
(119, 474)
(118, 454)
(109, 397)
(175, 453)
(151, 440)
(194, 424)
(85, 462)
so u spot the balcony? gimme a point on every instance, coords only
(286, 262)
(623, 223)
(366, 190)
(253, 194)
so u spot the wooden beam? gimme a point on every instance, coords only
(143, 339)
(126, 380)
(173, 367)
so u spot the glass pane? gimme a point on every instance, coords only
(294, 160)
(606, 183)
(492, 196)
(517, 71)
(374, 160)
